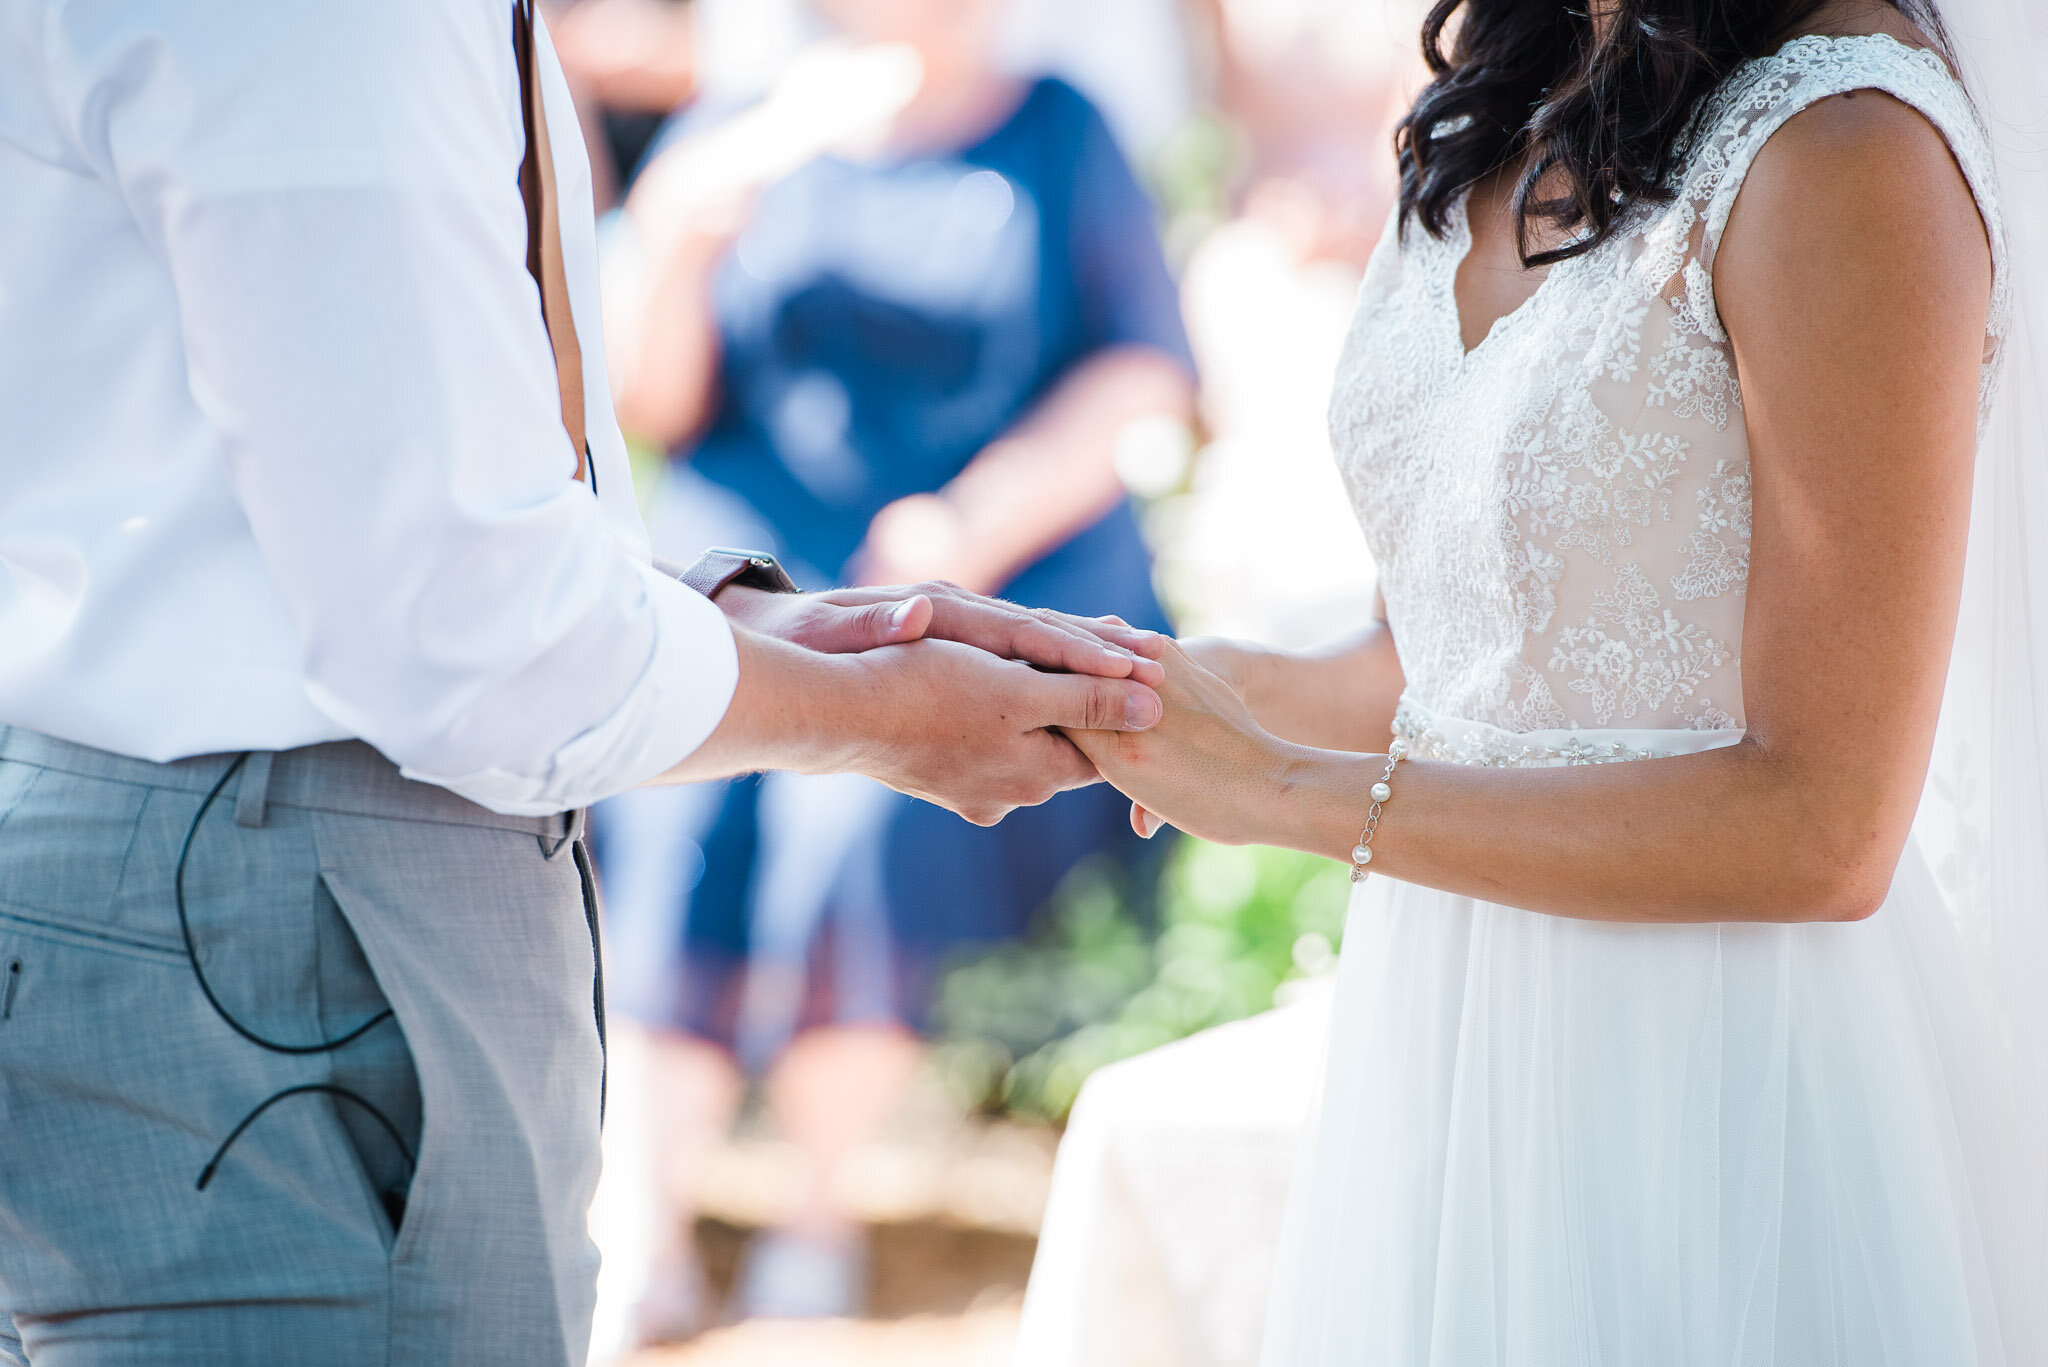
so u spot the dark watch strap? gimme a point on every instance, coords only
(721, 566)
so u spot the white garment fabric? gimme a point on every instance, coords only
(281, 459)
(1983, 821)
(1561, 517)
(1555, 1143)
(1164, 1218)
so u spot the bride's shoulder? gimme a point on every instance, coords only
(1847, 141)
(1865, 146)
(1857, 210)
(1834, 95)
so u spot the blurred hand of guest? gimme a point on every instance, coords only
(921, 537)
(1038, 484)
(630, 54)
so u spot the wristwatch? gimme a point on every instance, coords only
(721, 565)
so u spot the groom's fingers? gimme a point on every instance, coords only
(1053, 641)
(1078, 702)
(1065, 766)
(1038, 636)
(1116, 629)
(1098, 745)
(841, 630)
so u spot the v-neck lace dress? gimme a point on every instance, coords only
(1557, 1143)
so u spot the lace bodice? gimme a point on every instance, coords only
(1561, 517)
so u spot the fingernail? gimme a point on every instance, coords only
(900, 618)
(1142, 709)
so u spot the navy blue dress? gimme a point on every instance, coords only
(881, 324)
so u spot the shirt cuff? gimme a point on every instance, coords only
(679, 700)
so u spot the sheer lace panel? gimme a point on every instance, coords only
(1561, 517)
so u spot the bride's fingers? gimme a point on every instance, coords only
(1100, 748)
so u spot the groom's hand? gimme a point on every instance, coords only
(939, 720)
(957, 726)
(844, 621)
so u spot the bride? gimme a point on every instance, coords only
(1682, 1026)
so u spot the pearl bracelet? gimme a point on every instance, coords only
(1361, 853)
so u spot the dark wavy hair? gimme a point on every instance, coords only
(1597, 120)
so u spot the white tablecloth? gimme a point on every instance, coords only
(1167, 1198)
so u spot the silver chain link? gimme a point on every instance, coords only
(1361, 853)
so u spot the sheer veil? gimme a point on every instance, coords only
(1983, 822)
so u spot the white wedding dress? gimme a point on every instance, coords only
(1556, 1143)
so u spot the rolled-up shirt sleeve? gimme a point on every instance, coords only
(334, 190)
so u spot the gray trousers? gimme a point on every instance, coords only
(414, 1196)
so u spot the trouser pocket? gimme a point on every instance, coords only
(483, 944)
(357, 1066)
(131, 1069)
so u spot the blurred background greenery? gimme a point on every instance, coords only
(1104, 977)
(1261, 129)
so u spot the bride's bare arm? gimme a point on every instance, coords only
(1338, 695)
(1854, 279)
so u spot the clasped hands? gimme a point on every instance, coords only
(983, 706)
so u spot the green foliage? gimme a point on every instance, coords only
(1023, 1026)
(648, 463)
(1190, 177)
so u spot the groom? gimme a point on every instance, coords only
(324, 607)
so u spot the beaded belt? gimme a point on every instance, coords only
(1432, 735)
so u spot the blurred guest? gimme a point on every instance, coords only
(896, 318)
(1316, 87)
(1312, 90)
(629, 64)
(1129, 57)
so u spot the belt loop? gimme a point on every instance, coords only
(552, 844)
(252, 794)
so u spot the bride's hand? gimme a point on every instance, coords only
(1240, 664)
(1202, 766)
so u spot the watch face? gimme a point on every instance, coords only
(763, 570)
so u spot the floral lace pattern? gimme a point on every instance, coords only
(1561, 516)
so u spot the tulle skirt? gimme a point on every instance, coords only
(1555, 1143)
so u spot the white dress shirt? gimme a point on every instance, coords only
(281, 458)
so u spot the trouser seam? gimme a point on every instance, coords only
(580, 851)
